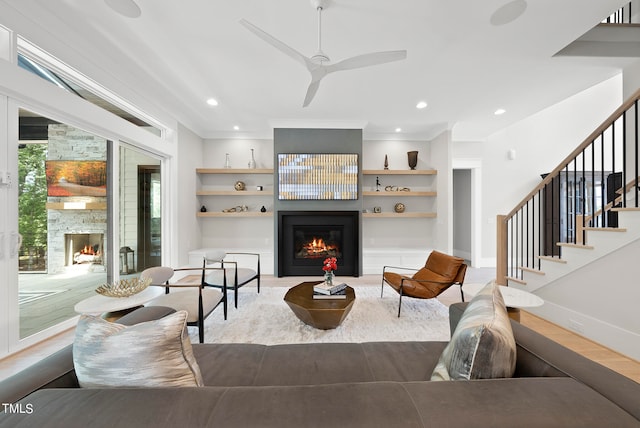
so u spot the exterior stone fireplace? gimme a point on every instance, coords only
(78, 220)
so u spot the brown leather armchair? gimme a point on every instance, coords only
(440, 272)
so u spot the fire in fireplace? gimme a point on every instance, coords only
(305, 238)
(317, 246)
(83, 248)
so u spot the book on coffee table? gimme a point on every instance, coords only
(323, 288)
(342, 294)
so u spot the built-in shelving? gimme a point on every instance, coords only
(223, 188)
(399, 215)
(234, 193)
(234, 171)
(399, 172)
(236, 214)
(400, 195)
(397, 194)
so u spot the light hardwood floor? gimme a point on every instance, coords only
(615, 361)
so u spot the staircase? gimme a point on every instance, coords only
(581, 210)
(574, 239)
(599, 243)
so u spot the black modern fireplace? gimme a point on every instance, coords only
(306, 238)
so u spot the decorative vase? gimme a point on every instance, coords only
(227, 162)
(328, 278)
(252, 162)
(413, 159)
(263, 209)
(386, 162)
(203, 209)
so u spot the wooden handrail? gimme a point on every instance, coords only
(589, 140)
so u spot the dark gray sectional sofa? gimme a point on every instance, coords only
(382, 384)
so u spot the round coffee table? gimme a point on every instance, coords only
(323, 314)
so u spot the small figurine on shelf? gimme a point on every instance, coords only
(377, 184)
(263, 209)
(203, 209)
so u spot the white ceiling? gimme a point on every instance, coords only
(179, 53)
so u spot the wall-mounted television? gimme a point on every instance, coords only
(76, 178)
(317, 176)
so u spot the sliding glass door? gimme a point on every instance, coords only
(62, 219)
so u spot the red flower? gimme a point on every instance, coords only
(330, 264)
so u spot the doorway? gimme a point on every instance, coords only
(149, 209)
(467, 196)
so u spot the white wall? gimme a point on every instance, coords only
(462, 213)
(599, 301)
(187, 226)
(441, 152)
(631, 79)
(541, 142)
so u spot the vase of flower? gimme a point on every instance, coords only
(329, 265)
(328, 278)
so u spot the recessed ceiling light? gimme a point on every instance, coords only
(499, 112)
(212, 102)
(421, 104)
(398, 129)
(236, 128)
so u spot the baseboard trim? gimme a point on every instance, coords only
(601, 332)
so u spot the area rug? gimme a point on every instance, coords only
(266, 318)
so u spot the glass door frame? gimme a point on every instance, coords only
(10, 341)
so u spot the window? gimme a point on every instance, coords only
(45, 66)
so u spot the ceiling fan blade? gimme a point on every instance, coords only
(287, 50)
(367, 60)
(311, 92)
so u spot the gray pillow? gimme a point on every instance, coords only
(150, 354)
(482, 345)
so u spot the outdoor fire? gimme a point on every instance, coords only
(317, 247)
(88, 254)
(88, 249)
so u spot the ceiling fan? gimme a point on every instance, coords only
(318, 65)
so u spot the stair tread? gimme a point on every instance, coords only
(552, 259)
(572, 245)
(534, 271)
(518, 280)
(606, 229)
(625, 209)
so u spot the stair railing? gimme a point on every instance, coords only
(582, 192)
(620, 16)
